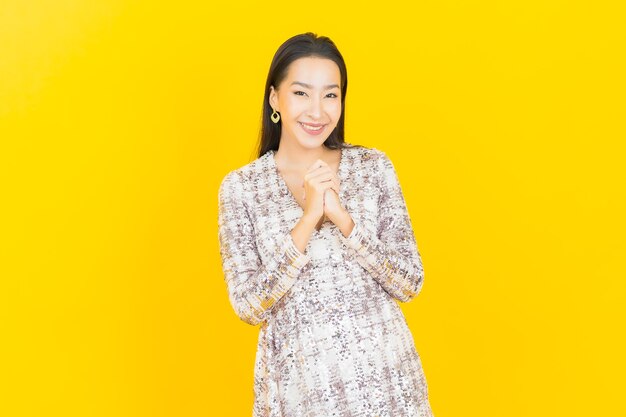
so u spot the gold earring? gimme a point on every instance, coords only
(275, 116)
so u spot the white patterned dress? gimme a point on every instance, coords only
(333, 340)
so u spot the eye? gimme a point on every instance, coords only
(296, 92)
(332, 94)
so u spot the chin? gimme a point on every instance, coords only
(312, 143)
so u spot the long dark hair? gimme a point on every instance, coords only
(300, 46)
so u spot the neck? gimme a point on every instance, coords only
(296, 157)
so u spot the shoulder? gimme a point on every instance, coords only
(374, 163)
(368, 155)
(238, 180)
(248, 172)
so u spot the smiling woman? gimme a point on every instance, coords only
(333, 340)
(311, 107)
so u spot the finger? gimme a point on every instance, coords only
(322, 186)
(317, 170)
(325, 186)
(334, 184)
(334, 188)
(317, 164)
(320, 176)
(313, 173)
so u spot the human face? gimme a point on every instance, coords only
(309, 101)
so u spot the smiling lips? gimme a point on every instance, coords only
(312, 128)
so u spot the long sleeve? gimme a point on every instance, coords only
(391, 256)
(253, 287)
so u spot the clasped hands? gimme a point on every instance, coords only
(321, 196)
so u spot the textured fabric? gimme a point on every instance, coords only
(333, 340)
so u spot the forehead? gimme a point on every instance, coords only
(314, 70)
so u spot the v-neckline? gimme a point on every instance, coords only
(290, 195)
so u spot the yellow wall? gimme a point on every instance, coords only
(118, 120)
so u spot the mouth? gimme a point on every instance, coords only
(312, 128)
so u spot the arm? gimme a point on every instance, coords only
(253, 287)
(391, 255)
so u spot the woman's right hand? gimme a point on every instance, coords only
(317, 180)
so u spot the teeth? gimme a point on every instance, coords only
(312, 128)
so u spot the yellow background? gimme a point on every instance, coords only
(118, 120)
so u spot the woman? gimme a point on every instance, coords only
(317, 246)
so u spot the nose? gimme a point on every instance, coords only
(315, 108)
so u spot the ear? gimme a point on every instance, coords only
(273, 98)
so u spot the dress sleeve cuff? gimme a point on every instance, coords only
(296, 258)
(357, 237)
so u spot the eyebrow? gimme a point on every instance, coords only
(328, 87)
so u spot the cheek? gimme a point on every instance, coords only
(294, 106)
(334, 109)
